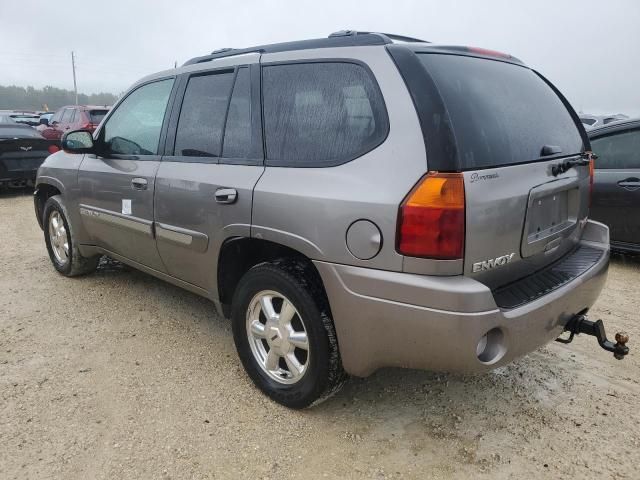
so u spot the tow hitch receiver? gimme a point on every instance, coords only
(580, 324)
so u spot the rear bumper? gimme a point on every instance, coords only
(13, 170)
(391, 319)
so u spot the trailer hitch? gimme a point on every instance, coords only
(579, 324)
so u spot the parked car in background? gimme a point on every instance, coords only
(66, 119)
(594, 121)
(45, 118)
(27, 118)
(5, 118)
(351, 203)
(616, 189)
(22, 151)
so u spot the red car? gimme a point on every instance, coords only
(73, 117)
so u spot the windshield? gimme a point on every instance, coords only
(501, 113)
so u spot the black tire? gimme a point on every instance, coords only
(75, 264)
(298, 282)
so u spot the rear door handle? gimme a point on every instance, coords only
(139, 183)
(631, 183)
(226, 195)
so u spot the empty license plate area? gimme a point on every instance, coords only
(551, 214)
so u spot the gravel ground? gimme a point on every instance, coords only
(119, 375)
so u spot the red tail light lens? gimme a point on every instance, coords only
(53, 148)
(431, 218)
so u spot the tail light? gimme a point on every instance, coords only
(53, 148)
(90, 126)
(431, 218)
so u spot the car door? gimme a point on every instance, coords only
(616, 194)
(117, 185)
(204, 190)
(67, 120)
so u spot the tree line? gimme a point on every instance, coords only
(48, 98)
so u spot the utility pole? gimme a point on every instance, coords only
(73, 66)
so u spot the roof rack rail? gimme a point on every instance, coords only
(221, 53)
(344, 38)
(389, 36)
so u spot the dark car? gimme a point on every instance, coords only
(616, 190)
(75, 117)
(22, 151)
(27, 118)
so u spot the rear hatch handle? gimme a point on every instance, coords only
(562, 167)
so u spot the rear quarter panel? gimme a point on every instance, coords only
(311, 209)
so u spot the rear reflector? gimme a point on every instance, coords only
(431, 218)
(53, 148)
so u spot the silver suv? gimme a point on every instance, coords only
(351, 203)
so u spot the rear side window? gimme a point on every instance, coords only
(618, 151)
(501, 114)
(96, 116)
(321, 114)
(202, 115)
(588, 121)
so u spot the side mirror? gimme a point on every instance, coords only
(44, 121)
(78, 141)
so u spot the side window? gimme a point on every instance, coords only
(57, 116)
(134, 128)
(66, 116)
(237, 133)
(74, 115)
(201, 121)
(618, 151)
(321, 114)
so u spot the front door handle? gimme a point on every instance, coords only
(226, 195)
(631, 183)
(139, 183)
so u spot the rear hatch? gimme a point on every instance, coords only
(509, 127)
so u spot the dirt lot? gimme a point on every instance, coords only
(119, 375)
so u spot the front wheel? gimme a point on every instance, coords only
(60, 241)
(284, 334)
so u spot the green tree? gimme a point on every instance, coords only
(28, 98)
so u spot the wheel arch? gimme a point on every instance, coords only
(239, 254)
(44, 190)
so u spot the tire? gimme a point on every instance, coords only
(73, 263)
(296, 283)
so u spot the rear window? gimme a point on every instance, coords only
(501, 114)
(96, 116)
(321, 114)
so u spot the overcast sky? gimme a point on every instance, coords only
(589, 49)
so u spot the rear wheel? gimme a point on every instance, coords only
(285, 335)
(60, 241)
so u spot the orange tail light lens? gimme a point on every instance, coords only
(431, 218)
